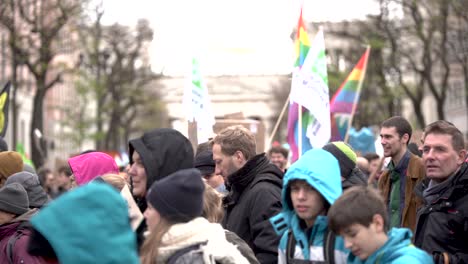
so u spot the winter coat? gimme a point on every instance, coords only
(214, 248)
(443, 224)
(415, 173)
(321, 170)
(255, 196)
(88, 225)
(397, 249)
(9, 231)
(163, 151)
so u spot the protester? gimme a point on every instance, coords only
(442, 226)
(255, 190)
(361, 217)
(87, 166)
(14, 234)
(213, 212)
(205, 164)
(351, 175)
(48, 182)
(36, 195)
(279, 156)
(374, 162)
(363, 165)
(404, 171)
(65, 180)
(310, 186)
(89, 224)
(177, 232)
(154, 156)
(11, 162)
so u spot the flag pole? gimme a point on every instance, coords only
(275, 129)
(356, 99)
(299, 131)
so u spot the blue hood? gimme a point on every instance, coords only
(397, 248)
(321, 170)
(89, 224)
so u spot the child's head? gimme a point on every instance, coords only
(361, 217)
(307, 202)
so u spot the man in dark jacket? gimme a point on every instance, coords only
(442, 226)
(255, 190)
(154, 156)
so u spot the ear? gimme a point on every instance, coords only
(239, 156)
(379, 223)
(461, 156)
(405, 137)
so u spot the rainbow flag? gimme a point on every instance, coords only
(344, 102)
(302, 46)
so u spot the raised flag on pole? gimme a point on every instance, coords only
(310, 89)
(302, 46)
(197, 104)
(344, 102)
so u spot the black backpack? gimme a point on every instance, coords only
(328, 249)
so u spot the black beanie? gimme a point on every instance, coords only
(344, 154)
(179, 196)
(205, 163)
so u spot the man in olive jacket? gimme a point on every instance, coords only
(255, 191)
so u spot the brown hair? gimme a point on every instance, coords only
(150, 248)
(446, 128)
(280, 150)
(236, 138)
(401, 125)
(115, 180)
(212, 205)
(357, 205)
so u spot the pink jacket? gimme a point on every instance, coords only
(87, 167)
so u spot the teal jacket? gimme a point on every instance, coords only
(88, 225)
(321, 170)
(397, 250)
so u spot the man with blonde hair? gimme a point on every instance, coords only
(255, 190)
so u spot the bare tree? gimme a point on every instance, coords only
(36, 28)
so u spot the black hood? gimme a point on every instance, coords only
(162, 151)
(356, 178)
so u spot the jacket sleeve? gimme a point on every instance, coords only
(266, 202)
(21, 255)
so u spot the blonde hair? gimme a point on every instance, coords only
(212, 205)
(116, 180)
(150, 248)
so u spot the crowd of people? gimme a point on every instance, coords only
(226, 203)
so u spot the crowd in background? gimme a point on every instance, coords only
(225, 203)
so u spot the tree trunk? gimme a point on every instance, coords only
(419, 114)
(38, 154)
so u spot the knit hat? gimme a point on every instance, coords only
(205, 163)
(36, 195)
(11, 162)
(14, 199)
(345, 156)
(90, 165)
(179, 196)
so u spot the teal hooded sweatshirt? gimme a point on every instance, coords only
(397, 250)
(88, 225)
(320, 169)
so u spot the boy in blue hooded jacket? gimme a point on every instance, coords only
(361, 217)
(310, 186)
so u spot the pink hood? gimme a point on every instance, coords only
(88, 166)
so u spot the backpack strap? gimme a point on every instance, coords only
(329, 246)
(12, 241)
(290, 247)
(179, 253)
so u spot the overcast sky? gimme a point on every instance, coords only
(242, 36)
